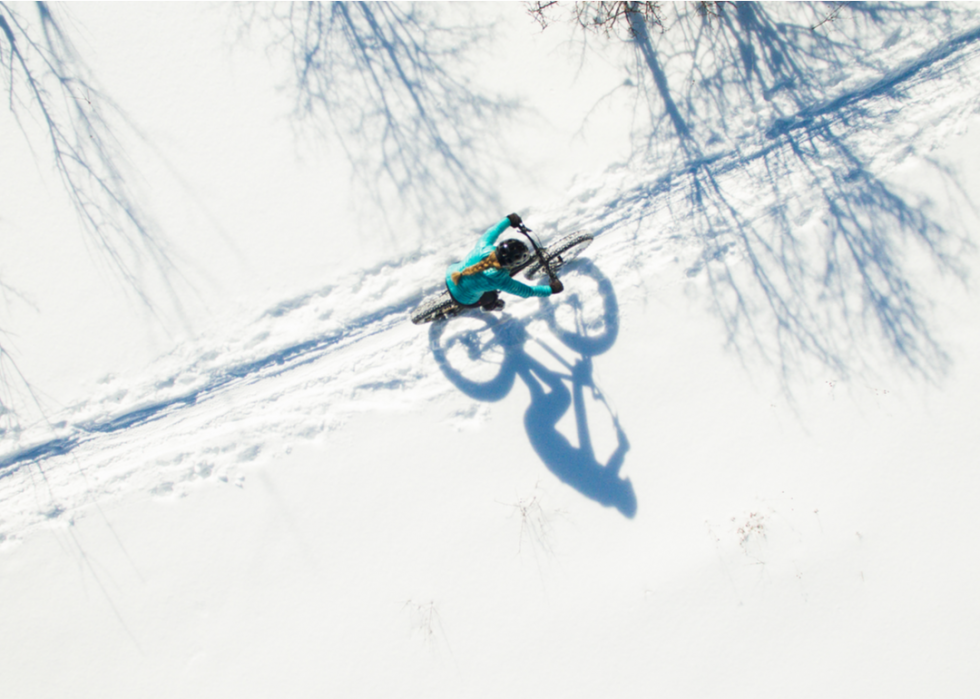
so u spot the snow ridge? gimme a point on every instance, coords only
(213, 380)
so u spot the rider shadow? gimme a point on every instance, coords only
(574, 465)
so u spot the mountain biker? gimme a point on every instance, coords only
(486, 270)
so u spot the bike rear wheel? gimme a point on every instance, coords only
(435, 307)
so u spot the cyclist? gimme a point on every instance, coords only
(485, 271)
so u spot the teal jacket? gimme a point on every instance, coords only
(473, 286)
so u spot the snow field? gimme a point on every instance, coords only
(735, 458)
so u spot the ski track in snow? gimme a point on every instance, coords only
(329, 354)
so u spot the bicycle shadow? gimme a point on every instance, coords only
(501, 345)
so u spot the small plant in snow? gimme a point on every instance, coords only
(754, 528)
(424, 620)
(610, 18)
(831, 385)
(830, 18)
(536, 522)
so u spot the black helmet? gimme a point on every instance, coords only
(512, 252)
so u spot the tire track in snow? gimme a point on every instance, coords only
(266, 366)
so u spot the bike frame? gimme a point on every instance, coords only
(541, 258)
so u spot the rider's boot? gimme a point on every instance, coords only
(491, 301)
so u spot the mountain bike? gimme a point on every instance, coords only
(547, 262)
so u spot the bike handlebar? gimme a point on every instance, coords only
(544, 263)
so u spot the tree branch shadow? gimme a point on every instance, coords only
(387, 83)
(47, 80)
(759, 123)
(50, 91)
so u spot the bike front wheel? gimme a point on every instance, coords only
(560, 253)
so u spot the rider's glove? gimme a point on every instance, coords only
(557, 287)
(514, 219)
